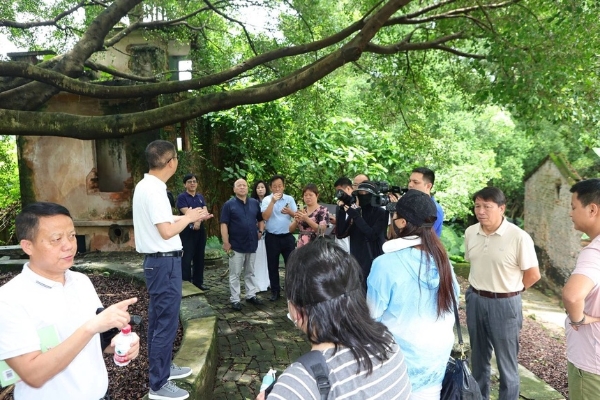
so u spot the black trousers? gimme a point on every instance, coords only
(276, 245)
(192, 262)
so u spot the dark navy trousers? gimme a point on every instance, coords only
(163, 280)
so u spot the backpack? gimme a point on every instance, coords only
(315, 364)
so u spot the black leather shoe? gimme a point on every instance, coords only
(202, 287)
(236, 306)
(255, 300)
(274, 296)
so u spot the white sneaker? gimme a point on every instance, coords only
(169, 391)
(178, 372)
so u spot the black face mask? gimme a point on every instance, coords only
(364, 199)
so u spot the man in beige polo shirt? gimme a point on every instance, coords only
(503, 264)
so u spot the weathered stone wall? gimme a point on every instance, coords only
(65, 171)
(547, 220)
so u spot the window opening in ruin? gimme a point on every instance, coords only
(111, 165)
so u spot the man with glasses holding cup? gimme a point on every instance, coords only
(277, 210)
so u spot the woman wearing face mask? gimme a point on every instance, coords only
(261, 272)
(325, 300)
(366, 226)
(412, 290)
(308, 218)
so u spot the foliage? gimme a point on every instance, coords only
(453, 239)
(518, 54)
(9, 175)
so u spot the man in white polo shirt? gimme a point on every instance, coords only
(157, 236)
(503, 264)
(47, 297)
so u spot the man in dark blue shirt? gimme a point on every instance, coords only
(241, 227)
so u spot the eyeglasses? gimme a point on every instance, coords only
(191, 182)
(172, 158)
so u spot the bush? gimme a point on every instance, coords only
(453, 239)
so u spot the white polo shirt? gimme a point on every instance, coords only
(499, 259)
(30, 302)
(150, 207)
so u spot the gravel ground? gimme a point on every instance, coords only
(543, 352)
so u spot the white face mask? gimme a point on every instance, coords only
(290, 318)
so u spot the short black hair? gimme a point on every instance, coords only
(428, 175)
(187, 177)
(588, 191)
(158, 153)
(491, 193)
(343, 182)
(275, 177)
(28, 220)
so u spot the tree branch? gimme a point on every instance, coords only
(410, 19)
(52, 22)
(437, 44)
(67, 84)
(33, 95)
(112, 126)
(222, 14)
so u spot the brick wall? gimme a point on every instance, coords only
(547, 220)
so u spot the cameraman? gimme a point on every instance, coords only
(364, 224)
(344, 184)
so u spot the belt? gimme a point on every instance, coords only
(279, 234)
(492, 295)
(177, 253)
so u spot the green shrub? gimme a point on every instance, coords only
(453, 239)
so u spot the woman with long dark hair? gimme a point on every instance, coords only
(326, 301)
(261, 273)
(412, 289)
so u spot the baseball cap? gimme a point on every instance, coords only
(367, 187)
(417, 208)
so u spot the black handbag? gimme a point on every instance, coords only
(458, 383)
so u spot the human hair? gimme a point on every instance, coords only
(254, 195)
(275, 177)
(189, 176)
(158, 153)
(588, 191)
(325, 285)
(491, 193)
(432, 246)
(312, 187)
(28, 220)
(428, 175)
(343, 182)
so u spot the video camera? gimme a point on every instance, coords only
(381, 199)
(345, 197)
(380, 194)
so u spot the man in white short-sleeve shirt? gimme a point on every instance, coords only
(581, 296)
(47, 296)
(157, 236)
(503, 264)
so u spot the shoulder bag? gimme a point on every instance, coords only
(458, 383)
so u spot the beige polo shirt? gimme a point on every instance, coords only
(499, 259)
